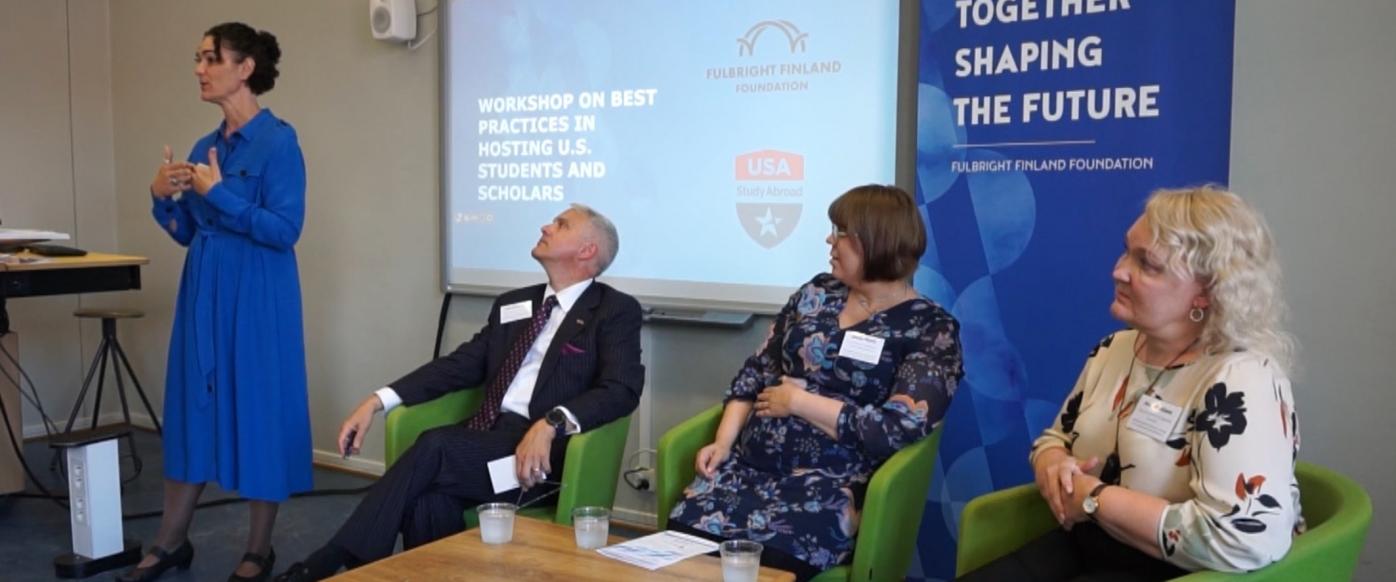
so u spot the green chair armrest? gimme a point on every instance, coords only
(405, 423)
(593, 466)
(589, 474)
(995, 524)
(1338, 511)
(891, 518)
(674, 458)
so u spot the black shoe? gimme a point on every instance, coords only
(298, 572)
(181, 557)
(265, 562)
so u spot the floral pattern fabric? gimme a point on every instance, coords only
(1227, 467)
(788, 484)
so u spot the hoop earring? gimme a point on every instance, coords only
(1197, 315)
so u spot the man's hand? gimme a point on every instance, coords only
(779, 401)
(531, 463)
(356, 426)
(207, 176)
(710, 458)
(1056, 472)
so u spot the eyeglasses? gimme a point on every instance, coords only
(838, 233)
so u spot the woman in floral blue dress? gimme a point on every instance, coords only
(857, 365)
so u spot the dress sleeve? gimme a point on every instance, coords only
(762, 369)
(1243, 442)
(277, 221)
(1063, 432)
(173, 216)
(926, 379)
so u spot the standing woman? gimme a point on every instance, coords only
(235, 387)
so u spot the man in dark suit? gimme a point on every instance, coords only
(554, 360)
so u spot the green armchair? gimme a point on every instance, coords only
(1337, 510)
(896, 498)
(588, 476)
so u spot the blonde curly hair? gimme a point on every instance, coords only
(1211, 234)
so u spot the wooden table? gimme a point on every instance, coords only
(541, 550)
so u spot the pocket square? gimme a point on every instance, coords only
(569, 349)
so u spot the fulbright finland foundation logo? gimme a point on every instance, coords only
(770, 186)
(746, 45)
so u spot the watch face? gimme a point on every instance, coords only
(1090, 505)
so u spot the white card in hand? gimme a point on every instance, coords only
(516, 311)
(862, 347)
(502, 475)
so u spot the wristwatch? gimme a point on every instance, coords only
(1091, 503)
(558, 420)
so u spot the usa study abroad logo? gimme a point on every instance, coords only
(770, 194)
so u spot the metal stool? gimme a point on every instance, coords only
(111, 348)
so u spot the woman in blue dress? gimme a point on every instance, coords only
(235, 387)
(857, 365)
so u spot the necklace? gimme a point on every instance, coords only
(867, 305)
(1112, 470)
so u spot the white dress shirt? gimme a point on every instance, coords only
(520, 391)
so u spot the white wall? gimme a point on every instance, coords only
(1314, 145)
(56, 163)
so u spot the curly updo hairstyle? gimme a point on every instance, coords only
(249, 42)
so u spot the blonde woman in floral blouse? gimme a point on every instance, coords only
(1175, 450)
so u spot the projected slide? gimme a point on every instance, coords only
(714, 134)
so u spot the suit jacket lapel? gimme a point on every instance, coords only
(576, 320)
(514, 329)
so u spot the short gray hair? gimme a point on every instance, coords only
(610, 239)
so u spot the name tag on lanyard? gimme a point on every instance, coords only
(1154, 417)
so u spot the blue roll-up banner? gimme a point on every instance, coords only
(1042, 126)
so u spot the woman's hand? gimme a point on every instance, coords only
(1073, 510)
(779, 401)
(709, 458)
(171, 177)
(207, 176)
(1055, 472)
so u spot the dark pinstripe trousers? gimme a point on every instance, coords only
(424, 494)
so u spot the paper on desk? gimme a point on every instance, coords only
(23, 235)
(502, 475)
(656, 551)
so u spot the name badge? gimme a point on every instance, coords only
(862, 347)
(516, 311)
(1155, 418)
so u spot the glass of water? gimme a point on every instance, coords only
(741, 560)
(496, 522)
(591, 525)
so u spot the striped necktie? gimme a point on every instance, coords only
(494, 391)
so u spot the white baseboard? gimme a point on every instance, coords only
(355, 464)
(636, 517)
